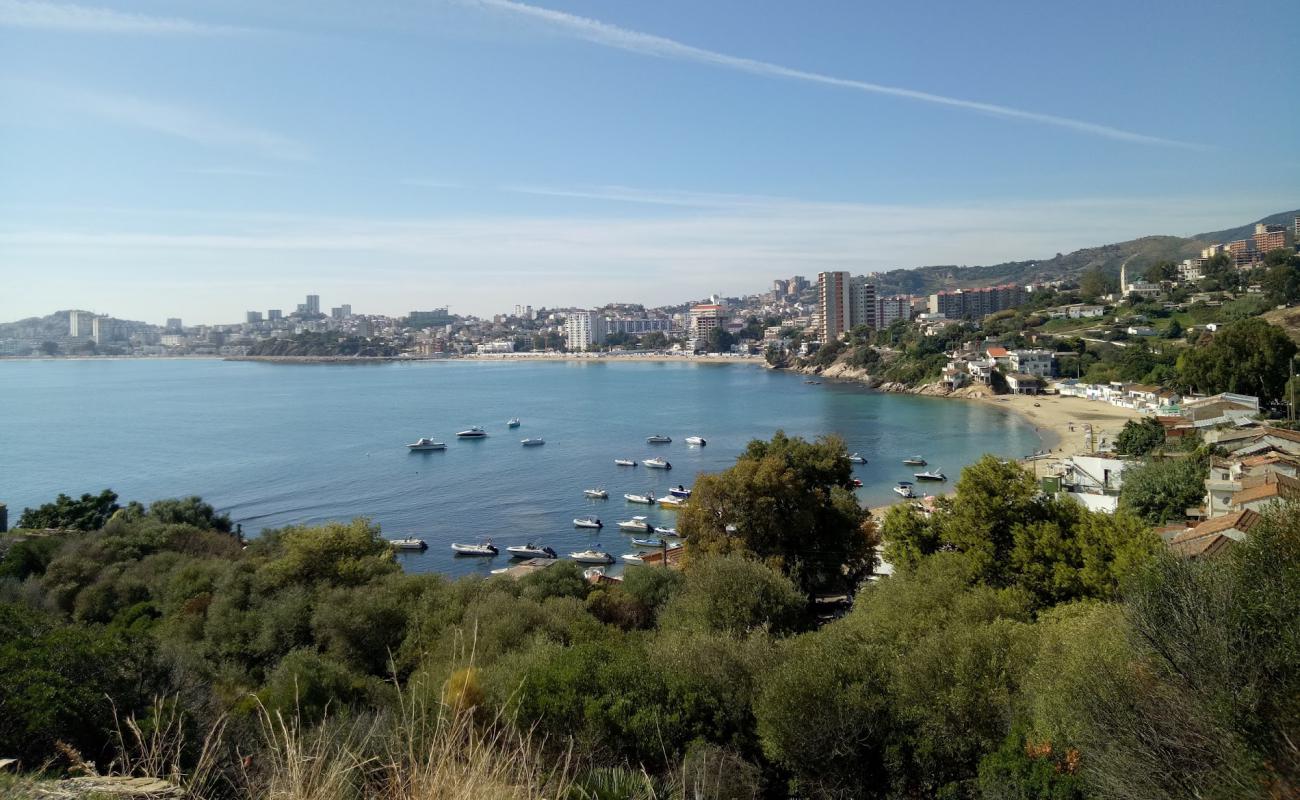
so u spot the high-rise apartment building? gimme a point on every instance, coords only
(844, 302)
(341, 312)
(312, 306)
(833, 304)
(862, 303)
(174, 324)
(80, 323)
(583, 330)
(893, 308)
(977, 303)
(105, 329)
(1269, 237)
(252, 317)
(705, 318)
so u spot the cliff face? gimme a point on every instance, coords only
(840, 370)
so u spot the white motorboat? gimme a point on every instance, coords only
(513, 423)
(930, 475)
(484, 549)
(588, 522)
(625, 462)
(596, 494)
(657, 463)
(667, 532)
(593, 573)
(671, 502)
(531, 550)
(914, 461)
(475, 432)
(592, 556)
(645, 499)
(698, 441)
(658, 438)
(425, 443)
(857, 459)
(532, 441)
(409, 544)
(636, 524)
(654, 544)
(499, 570)
(633, 558)
(680, 491)
(904, 489)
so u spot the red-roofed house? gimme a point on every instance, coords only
(1214, 535)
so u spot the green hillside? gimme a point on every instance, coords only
(1140, 253)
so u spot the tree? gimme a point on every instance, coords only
(1248, 357)
(1139, 437)
(734, 595)
(340, 553)
(1162, 490)
(719, 340)
(1094, 283)
(1175, 330)
(89, 513)
(788, 502)
(1161, 271)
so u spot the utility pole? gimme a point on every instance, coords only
(1291, 381)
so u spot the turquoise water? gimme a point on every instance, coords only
(274, 444)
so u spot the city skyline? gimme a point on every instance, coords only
(200, 160)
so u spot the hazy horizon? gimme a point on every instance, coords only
(197, 159)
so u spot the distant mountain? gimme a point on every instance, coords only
(1139, 253)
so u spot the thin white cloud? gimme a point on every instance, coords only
(69, 17)
(181, 122)
(608, 35)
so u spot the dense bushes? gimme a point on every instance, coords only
(1024, 648)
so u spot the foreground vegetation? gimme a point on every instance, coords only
(1025, 648)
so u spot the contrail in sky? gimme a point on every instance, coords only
(603, 33)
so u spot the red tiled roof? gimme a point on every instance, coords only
(997, 352)
(1274, 485)
(1242, 521)
(1197, 547)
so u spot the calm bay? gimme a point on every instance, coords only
(278, 444)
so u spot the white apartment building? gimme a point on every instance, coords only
(584, 329)
(1038, 362)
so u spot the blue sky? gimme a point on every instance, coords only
(197, 159)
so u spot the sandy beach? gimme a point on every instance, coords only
(1060, 421)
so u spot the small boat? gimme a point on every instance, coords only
(931, 475)
(592, 573)
(592, 556)
(857, 459)
(857, 483)
(813, 383)
(645, 499)
(636, 524)
(484, 549)
(680, 491)
(532, 441)
(596, 494)
(633, 558)
(671, 502)
(658, 438)
(625, 462)
(914, 461)
(698, 441)
(425, 443)
(409, 544)
(588, 522)
(653, 543)
(657, 463)
(499, 570)
(668, 532)
(513, 423)
(531, 550)
(475, 432)
(904, 489)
